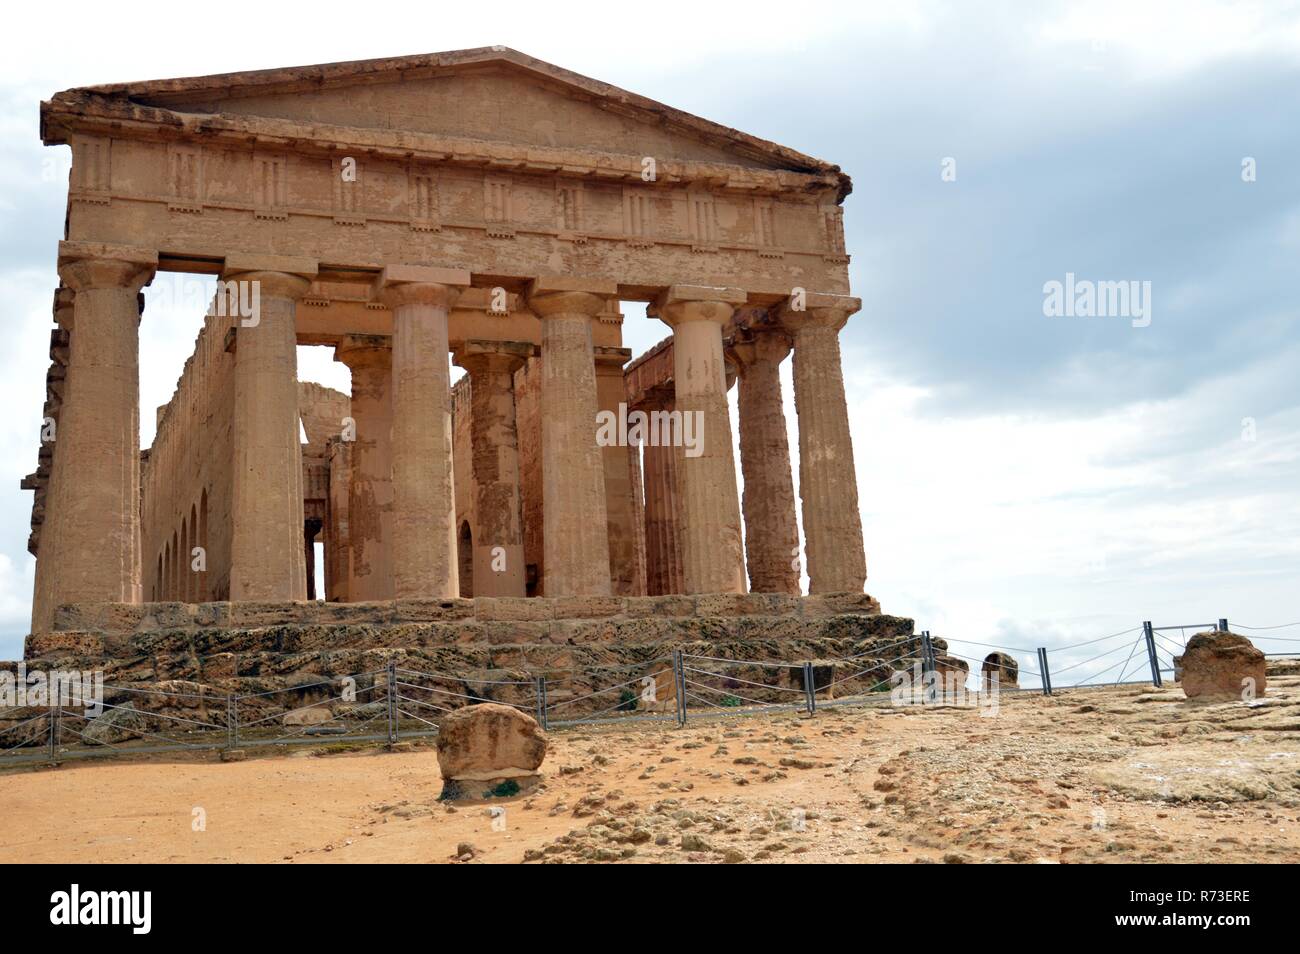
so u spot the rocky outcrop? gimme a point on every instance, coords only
(1221, 667)
(488, 749)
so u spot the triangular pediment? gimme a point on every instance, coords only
(490, 94)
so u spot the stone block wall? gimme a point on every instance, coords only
(187, 481)
(463, 481)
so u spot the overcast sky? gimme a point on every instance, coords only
(1025, 480)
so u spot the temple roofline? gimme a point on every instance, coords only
(167, 94)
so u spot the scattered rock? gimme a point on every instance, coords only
(694, 843)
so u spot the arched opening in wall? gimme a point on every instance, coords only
(465, 560)
(183, 563)
(174, 588)
(311, 529)
(192, 575)
(166, 593)
(204, 593)
(318, 550)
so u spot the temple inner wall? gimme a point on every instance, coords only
(186, 476)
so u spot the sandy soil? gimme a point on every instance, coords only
(1122, 775)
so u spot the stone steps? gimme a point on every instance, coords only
(321, 637)
(128, 618)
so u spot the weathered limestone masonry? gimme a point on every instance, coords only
(580, 644)
(649, 384)
(479, 204)
(772, 541)
(370, 490)
(494, 451)
(194, 437)
(828, 486)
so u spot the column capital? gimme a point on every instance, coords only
(91, 265)
(279, 276)
(819, 310)
(477, 355)
(399, 285)
(568, 295)
(752, 346)
(658, 398)
(679, 304)
(364, 350)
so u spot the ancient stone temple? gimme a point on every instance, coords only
(478, 207)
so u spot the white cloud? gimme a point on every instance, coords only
(1161, 39)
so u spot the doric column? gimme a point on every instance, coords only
(266, 553)
(575, 534)
(712, 550)
(771, 532)
(662, 510)
(423, 549)
(89, 549)
(828, 486)
(498, 556)
(370, 489)
(338, 555)
(626, 570)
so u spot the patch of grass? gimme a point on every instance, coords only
(506, 789)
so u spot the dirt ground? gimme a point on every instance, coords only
(1100, 775)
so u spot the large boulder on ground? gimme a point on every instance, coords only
(488, 750)
(1006, 668)
(1221, 667)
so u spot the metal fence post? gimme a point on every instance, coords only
(927, 663)
(810, 691)
(232, 721)
(1042, 667)
(54, 731)
(679, 681)
(392, 701)
(1150, 635)
(541, 702)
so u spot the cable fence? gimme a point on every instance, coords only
(1287, 644)
(397, 702)
(610, 694)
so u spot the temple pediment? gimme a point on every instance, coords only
(488, 95)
